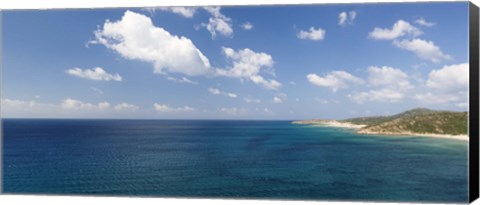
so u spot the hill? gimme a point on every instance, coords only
(415, 121)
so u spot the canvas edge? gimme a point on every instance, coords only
(474, 104)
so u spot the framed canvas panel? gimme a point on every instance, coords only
(360, 102)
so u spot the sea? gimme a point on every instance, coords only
(228, 159)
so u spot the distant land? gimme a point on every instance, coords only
(416, 122)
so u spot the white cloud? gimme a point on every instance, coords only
(334, 80)
(345, 18)
(25, 108)
(352, 15)
(231, 95)
(449, 84)
(379, 95)
(247, 26)
(321, 101)
(439, 98)
(277, 100)
(126, 106)
(66, 108)
(96, 73)
(72, 104)
(233, 110)
(97, 90)
(399, 29)
(181, 80)
(250, 100)
(268, 84)
(218, 23)
(390, 77)
(103, 105)
(423, 49)
(312, 34)
(248, 64)
(423, 22)
(8, 104)
(389, 85)
(166, 108)
(186, 12)
(216, 91)
(135, 37)
(462, 105)
(449, 79)
(268, 111)
(342, 18)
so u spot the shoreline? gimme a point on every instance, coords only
(400, 134)
(347, 125)
(329, 123)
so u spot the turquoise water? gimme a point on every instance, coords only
(228, 159)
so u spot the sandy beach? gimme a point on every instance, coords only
(399, 134)
(335, 123)
(340, 124)
(329, 123)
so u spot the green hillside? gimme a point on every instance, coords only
(420, 120)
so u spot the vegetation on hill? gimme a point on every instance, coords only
(419, 120)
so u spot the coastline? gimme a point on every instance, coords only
(329, 123)
(399, 134)
(347, 125)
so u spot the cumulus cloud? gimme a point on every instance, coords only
(96, 73)
(388, 76)
(423, 49)
(218, 23)
(334, 80)
(389, 85)
(345, 18)
(126, 106)
(72, 104)
(135, 37)
(438, 98)
(165, 108)
(450, 78)
(448, 84)
(247, 26)
(247, 65)
(268, 84)
(312, 34)
(186, 12)
(399, 29)
(216, 91)
(423, 22)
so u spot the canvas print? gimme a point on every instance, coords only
(348, 102)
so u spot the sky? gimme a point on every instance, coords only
(243, 62)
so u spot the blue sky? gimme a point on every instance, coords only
(246, 62)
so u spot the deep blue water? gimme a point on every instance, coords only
(228, 159)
